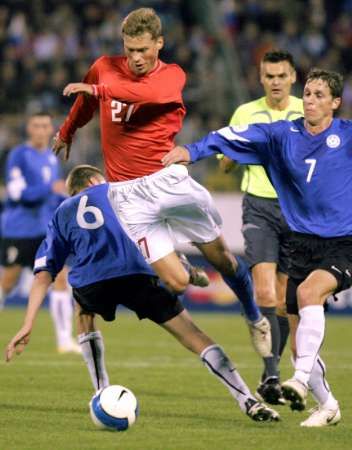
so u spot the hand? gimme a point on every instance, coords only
(226, 164)
(78, 88)
(177, 155)
(60, 145)
(18, 343)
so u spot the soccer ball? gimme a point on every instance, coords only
(114, 407)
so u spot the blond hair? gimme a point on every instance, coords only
(140, 21)
(79, 177)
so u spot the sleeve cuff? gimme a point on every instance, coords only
(95, 90)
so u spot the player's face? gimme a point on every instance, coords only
(40, 130)
(277, 79)
(318, 102)
(142, 52)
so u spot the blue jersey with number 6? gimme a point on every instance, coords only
(85, 229)
(312, 174)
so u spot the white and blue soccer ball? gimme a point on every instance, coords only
(114, 407)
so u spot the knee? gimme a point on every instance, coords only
(265, 296)
(305, 295)
(7, 286)
(177, 284)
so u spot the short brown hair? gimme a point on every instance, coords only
(79, 177)
(333, 79)
(140, 21)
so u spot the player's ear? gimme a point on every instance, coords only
(336, 103)
(261, 73)
(160, 42)
(96, 179)
(293, 76)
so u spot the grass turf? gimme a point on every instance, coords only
(44, 396)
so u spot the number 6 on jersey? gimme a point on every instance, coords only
(84, 209)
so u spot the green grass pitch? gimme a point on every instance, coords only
(44, 396)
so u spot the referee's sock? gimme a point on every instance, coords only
(309, 337)
(93, 350)
(241, 284)
(270, 362)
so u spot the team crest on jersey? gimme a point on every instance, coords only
(239, 128)
(333, 141)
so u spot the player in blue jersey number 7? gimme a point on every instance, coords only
(107, 269)
(309, 162)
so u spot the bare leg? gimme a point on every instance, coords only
(218, 363)
(237, 276)
(264, 281)
(171, 271)
(9, 279)
(281, 287)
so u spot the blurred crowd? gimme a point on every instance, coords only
(44, 44)
(317, 33)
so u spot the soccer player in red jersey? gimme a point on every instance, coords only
(141, 110)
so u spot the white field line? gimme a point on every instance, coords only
(146, 363)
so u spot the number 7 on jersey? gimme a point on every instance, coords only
(312, 163)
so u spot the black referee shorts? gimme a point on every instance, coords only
(309, 253)
(139, 293)
(265, 232)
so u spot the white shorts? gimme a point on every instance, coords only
(168, 207)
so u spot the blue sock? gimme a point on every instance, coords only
(241, 284)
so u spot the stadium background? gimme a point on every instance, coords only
(45, 44)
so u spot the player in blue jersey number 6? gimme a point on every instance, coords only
(309, 162)
(107, 269)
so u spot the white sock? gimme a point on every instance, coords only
(309, 337)
(61, 310)
(92, 345)
(319, 385)
(219, 364)
(2, 298)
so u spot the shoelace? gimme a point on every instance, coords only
(313, 410)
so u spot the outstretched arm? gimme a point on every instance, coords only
(249, 146)
(40, 286)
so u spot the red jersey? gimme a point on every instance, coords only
(139, 116)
